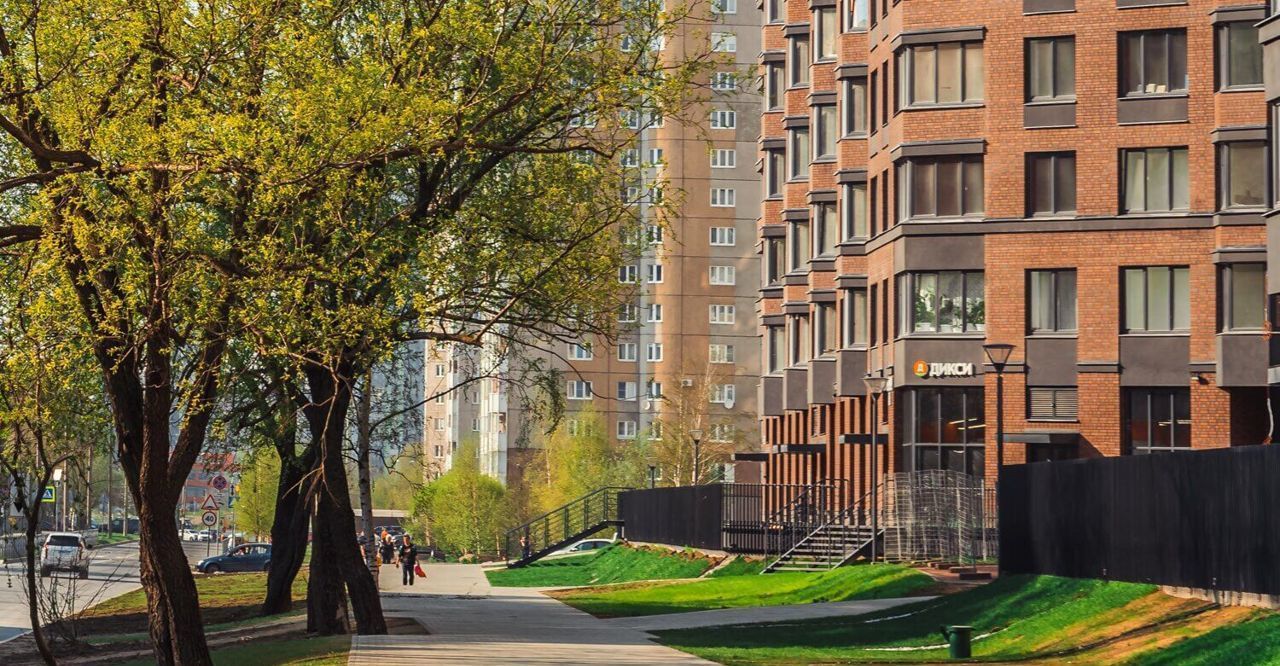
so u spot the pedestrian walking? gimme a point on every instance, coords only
(524, 546)
(387, 549)
(408, 560)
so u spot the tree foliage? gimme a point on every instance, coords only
(256, 504)
(464, 510)
(580, 456)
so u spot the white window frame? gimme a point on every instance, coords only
(628, 352)
(724, 393)
(653, 352)
(720, 353)
(631, 157)
(724, 6)
(726, 276)
(627, 391)
(724, 81)
(724, 119)
(578, 390)
(724, 42)
(724, 197)
(629, 313)
(724, 158)
(580, 351)
(653, 274)
(626, 429)
(655, 313)
(723, 314)
(724, 236)
(629, 274)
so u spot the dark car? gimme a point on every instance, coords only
(249, 557)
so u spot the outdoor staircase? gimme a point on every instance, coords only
(562, 526)
(826, 548)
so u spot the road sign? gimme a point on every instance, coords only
(209, 504)
(219, 483)
(50, 494)
(209, 519)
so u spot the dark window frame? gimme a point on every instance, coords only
(1171, 184)
(851, 334)
(1059, 207)
(1178, 400)
(854, 91)
(819, 135)
(906, 64)
(825, 226)
(849, 213)
(775, 84)
(1227, 302)
(1173, 306)
(776, 173)
(908, 285)
(1056, 278)
(775, 260)
(1223, 157)
(906, 173)
(798, 162)
(1177, 85)
(1055, 84)
(825, 315)
(1062, 409)
(798, 76)
(1222, 55)
(972, 447)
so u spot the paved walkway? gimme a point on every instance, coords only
(471, 623)
(725, 616)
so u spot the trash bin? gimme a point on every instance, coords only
(958, 639)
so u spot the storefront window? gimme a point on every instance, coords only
(945, 430)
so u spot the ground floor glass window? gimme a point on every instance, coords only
(945, 430)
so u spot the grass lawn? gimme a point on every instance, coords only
(1015, 617)
(112, 539)
(224, 598)
(739, 567)
(863, 581)
(615, 564)
(322, 651)
(1256, 640)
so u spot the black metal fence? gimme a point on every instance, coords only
(721, 516)
(1201, 519)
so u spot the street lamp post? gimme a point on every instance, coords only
(998, 354)
(696, 434)
(875, 386)
(653, 476)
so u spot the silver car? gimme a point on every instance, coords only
(64, 551)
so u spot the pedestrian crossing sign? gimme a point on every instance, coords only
(48, 495)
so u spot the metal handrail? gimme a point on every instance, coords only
(837, 518)
(789, 525)
(564, 523)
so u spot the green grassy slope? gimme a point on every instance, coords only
(869, 581)
(616, 564)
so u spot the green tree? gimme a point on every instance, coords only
(396, 488)
(256, 504)
(464, 510)
(579, 456)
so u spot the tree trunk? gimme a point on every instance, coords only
(331, 400)
(32, 514)
(173, 606)
(289, 530)
(364, 436)
(326, 598)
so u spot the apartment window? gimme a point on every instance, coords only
(827, 127)
(799, 154)
(653, 234)
(1051, 183)
(626, 391)
(724, 119)
(653, 353)
(579, 390)
(1153, 62)
(723, 394)
(655, 157)
(718, 353)
(826, 328)
(724, 81)
(775, 173)
(1157, 298)
(855, 106)
(655, 119)
(629, 119)
(773, 11)
(857, 14)
(655, 273)
(439, 424)
(826, 33)
(723, 275)
(1046, 403)
(945, 430)
(655, 313)
(627, 351)
(855, 211)
(723, 197)
(800, 245)
(1154, 180)
(629, 274)
(724, 158)
(1051, 69)
(1244, 296)
(724, 6)
(855, 318)
(626, 429)
(940, 186)
(774, 85)
(627, 313)
(935, 74)
(775, 340)
(1052, 300)
(724, 236)
(724, 42)
(439, 369)
(723, 314)
(1158, 420)
(1239, 56)
(439, 451)
(775, 258)
(1242, 174)
(944, 302)
(440, 399)
(580, 352)
(800, 349)
(826, 231)
(800, 60)
(655, 390)
(873, 107)
(631, 157)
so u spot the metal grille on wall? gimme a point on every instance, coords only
(938, 515)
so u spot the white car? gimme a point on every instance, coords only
(585, 546)
(189, 534)
(64, 551)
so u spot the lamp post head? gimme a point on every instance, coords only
(876, 384)
(696, 434)
(998, 354)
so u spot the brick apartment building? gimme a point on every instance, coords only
(692, 326)
(1086, 180)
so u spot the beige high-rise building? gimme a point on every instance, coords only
(689, 355)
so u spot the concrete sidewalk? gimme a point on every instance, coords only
(759, 614)
(471, 623)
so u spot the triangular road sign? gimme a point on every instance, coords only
(210, 504)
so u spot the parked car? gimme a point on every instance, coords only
(585, 545)
(249, 557)
(64, 551)
(90, 538)
(189, 534)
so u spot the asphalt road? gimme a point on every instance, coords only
(113, 570)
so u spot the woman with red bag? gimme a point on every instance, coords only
(408, 557)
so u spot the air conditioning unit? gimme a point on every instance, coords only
(686, 382)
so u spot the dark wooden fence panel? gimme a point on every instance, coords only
(1202, 519)
(683, 516)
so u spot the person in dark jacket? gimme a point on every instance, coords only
(408, 557)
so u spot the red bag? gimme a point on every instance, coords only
(417, 569)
